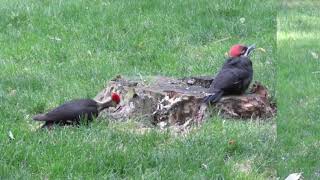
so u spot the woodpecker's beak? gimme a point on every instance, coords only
(106, 104)
(249, 50)
(113, 104)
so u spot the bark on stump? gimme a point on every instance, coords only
(168, 101)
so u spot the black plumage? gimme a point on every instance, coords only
(73, 112)
(234, 77)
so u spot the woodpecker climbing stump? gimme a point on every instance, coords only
(165, 101)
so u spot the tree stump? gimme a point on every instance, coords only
(165, 101)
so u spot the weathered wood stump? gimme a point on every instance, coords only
(167, 101)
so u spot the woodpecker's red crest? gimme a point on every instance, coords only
(115, 97)
(237, 50)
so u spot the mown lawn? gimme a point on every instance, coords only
(53, 51)
(298, 82)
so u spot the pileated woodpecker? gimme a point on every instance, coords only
(72, 112)
(235, 76)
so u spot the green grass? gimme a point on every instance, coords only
(53, 51)
(298, 81)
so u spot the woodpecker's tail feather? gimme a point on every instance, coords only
(39, 117)
(213, 98)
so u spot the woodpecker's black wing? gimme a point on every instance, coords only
(234, 77)
(72, 111)
(232, 80)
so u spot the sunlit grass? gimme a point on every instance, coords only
(298, 84)
(53, 51)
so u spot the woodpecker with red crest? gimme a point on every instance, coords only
(72, 112)
(235, 76)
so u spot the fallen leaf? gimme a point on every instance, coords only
(13, 92)
(314, 55)
(242, 20)
(261, 49)
(55, 38)
(295, 176)
(89, 53)
(231, 142)
(204, 166)
(11, 135)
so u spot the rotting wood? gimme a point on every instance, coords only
(165, 101)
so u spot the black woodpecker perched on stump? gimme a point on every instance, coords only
(235, 75)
